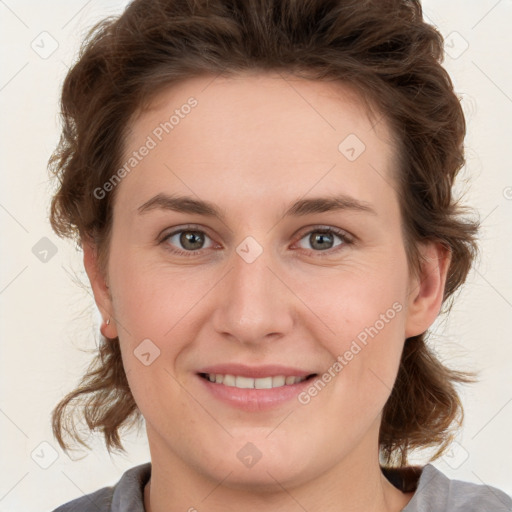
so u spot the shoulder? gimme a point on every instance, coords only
(126, 495)
(99, 501)
(436, 493)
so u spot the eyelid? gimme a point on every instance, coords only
(167, 232)
(342, 233)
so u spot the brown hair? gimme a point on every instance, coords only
(382, 48)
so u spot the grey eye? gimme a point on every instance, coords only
(321, 240)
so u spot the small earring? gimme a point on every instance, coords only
(108, 322)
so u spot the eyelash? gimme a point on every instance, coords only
(343, 235)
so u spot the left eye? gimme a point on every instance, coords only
(323, 239)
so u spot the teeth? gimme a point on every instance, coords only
(244, 382)
(248, 383)
(266, 383)
(227, 380)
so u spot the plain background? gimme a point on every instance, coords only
(48, 319)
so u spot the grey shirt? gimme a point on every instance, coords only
(434, 493)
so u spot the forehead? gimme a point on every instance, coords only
(258, 134)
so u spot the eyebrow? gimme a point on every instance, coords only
(187, 204)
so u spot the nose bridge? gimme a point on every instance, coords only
(254, 302)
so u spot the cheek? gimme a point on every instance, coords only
(358, 304)
(151, 308)
(365, 318)
(156, 310)
(149, 299)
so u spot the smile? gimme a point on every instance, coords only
(241, 382)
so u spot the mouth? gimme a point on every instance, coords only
(254, 389)
(242, 382)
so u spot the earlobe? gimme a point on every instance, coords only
(427, 289)
(100, 289)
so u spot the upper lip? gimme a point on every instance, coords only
(255, 371)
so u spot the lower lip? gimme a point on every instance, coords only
(254, 400)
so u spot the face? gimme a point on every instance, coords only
(257, 243)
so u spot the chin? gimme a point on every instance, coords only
(262, 465)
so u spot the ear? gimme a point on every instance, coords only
(426, 290)
(100, 289)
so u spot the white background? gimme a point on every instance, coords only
(47, 319)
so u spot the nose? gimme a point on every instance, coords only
(254, 302)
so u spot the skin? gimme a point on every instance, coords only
(253, 145)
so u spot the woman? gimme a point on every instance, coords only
(262, 192)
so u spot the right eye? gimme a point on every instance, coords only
(186, 241)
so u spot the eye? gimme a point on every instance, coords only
(324, 239)
(187, 241)
(190, 241)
